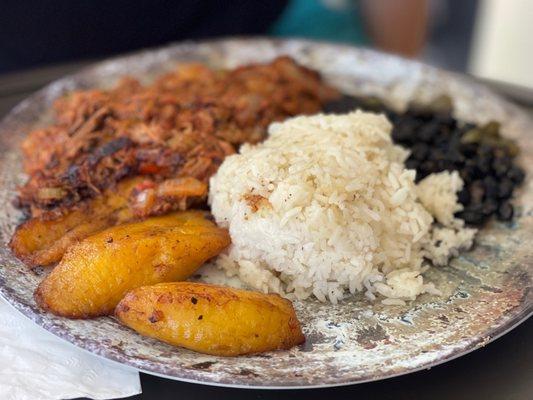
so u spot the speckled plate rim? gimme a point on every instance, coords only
(514, 323)
(519, 316)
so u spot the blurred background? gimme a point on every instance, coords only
(487, 38)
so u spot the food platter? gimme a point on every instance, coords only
(485, 292)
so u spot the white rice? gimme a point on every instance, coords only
(438, 194)
(325, 207)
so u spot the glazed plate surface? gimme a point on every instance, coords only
(486, 292)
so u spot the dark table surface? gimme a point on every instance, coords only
(501, 370)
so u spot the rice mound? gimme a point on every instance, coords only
(326, 207)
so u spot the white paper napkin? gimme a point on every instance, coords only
(36, 365)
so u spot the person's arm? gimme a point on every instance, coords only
(397, 26)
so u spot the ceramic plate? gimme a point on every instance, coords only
(486, 292)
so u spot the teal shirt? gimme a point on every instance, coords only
(314, 19)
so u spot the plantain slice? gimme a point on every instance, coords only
(97, 272)
(211, 319)
(43, 240)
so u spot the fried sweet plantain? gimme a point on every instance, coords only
(43, 240)
(97, 272)
(211, 319)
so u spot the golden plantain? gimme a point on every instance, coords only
(43, 240)
(95, 273)
(211, 319)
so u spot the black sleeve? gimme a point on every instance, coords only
(34, 32)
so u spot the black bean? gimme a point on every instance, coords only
(428, 132)
(501, 166)
(505, 211)
(447, 120)
(456, 135)
(473, 166)
(491, 187)
(477, 192)
(516, 174)
(505, 188)
(421, 175)
(472, 217)
(445, 164)
(403, 134)
(484, 165)
(343, 105)
(428, 166)
(464, 196)
(419, 151)
(420, 113)
(445, 130)
(455, 156)
(489, 207)
(468, 149)
(467, 174)
(412, 164)
(442, 144)
(437, 154)
(392, 116)
(500, 153)
(411, 123)
(486, 151)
